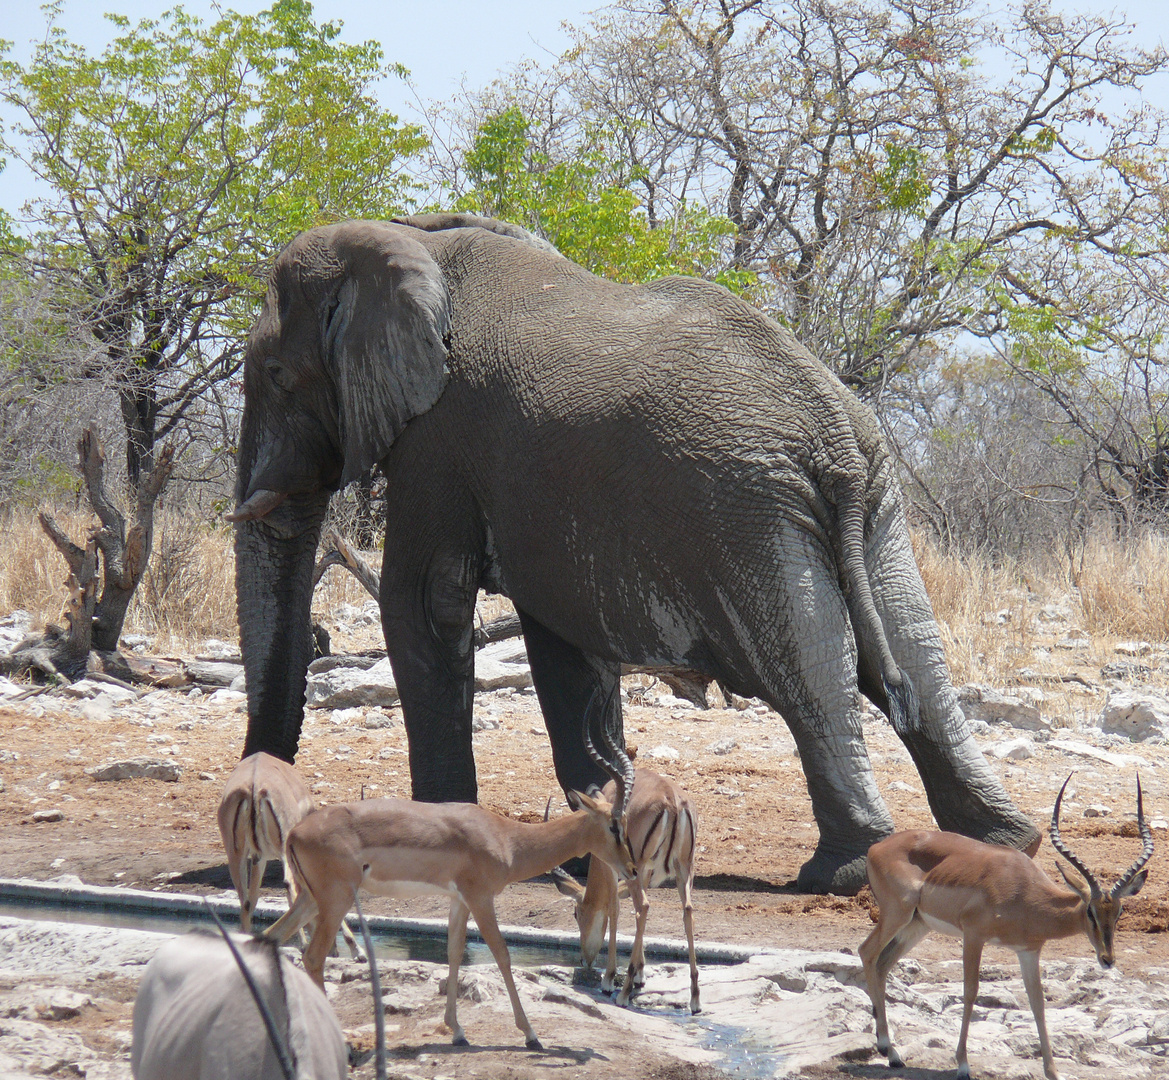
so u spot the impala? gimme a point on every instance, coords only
(395, 847)
(986, 894)
(263, 799)
(661, 828)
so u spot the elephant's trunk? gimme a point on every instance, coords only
(274, 586)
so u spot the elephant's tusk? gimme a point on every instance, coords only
(260, 504)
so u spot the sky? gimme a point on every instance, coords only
(442, 42)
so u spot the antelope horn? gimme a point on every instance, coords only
(379, 1010)
(283, 1055)
(624, 778)
(1066, 851)
(1146, 854)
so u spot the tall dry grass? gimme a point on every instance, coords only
(186, 596)
(1124, 587)
(989, 611)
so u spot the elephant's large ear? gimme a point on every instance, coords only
(384, 339)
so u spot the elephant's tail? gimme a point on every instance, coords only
(904, 712)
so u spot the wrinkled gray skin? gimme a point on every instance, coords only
(654, 474)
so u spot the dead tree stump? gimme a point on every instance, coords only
(93, 620)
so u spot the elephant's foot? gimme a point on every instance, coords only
(833, 871)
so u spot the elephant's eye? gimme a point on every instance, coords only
(277, 371)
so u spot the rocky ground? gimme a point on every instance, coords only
(1092, 706)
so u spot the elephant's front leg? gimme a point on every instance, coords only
(565, 678)
(427, 615)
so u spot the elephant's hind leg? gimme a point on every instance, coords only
(811, 679)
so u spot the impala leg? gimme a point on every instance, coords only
(685, 887)
(299, 913)
(971, 963)
(635, 976)
(879, 952)
(608, 980)
(489, 928)
(1029, 963)
(251, 875)
(456, 940)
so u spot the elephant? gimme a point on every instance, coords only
(654, 474)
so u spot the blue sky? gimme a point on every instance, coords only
(441, 41)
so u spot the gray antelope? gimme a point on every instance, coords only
(396, 847)
(196, 1019)
(263, 799)
(661, 827)
(193, 1019)
(986, 895)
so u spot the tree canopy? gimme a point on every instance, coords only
(180, 160)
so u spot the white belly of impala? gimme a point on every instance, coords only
(939, 926)
(403, 890)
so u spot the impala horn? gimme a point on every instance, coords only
(1064, 850)
(1146, 854)
(622, 772)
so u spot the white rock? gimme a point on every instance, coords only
(993, 706)
(662, 753)
(723, 746)
(14, 628)
(99, 710)
(133, 768)
(1014, 749)
(1083, 749)
(1136, 714)
(346, 717)
(347, 687)
(91, 688)
(214, 649)
(376, 718)
(1132, 648)
(1097, 810)
(223, 696)
(502, 664)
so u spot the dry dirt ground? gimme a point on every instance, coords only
(755, 829)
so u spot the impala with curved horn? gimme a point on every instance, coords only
(395, 847)
(661, 828)
(986, 895)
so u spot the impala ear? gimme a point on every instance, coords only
(384, 340)
(1075, 882)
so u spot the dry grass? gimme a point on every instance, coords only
(186, 596)
(1124, 588)
(987, 610)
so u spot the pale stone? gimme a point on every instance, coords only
(993, 706)
(1137, 714)
(662, 753)
(348, 687)
(723, 746)
(1014, 749)
(134, 768)
(502, 664)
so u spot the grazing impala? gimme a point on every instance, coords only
(396, 847)
(985, 894)
(263, 799)
(661, 827)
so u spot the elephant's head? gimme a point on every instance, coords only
(348, 347)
